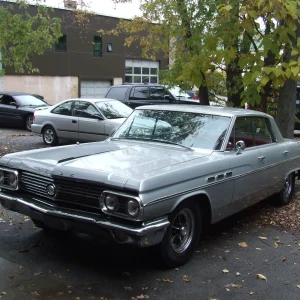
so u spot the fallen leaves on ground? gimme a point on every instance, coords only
(262, 238)
(140, 297)
(225, 271)
(185, 278)
(261, 277)
(167, 280)
(243, 244)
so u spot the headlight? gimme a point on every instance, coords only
(112, 202)
(13, 180)
(1, 176)
(133, 208)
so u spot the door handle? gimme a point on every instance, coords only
(262, 158)
(74, 121)
(286, 153)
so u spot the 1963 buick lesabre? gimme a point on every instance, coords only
(167, 172)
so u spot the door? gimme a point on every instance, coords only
(272, 154)
(138, 96)
(247, 165)
(94, 88)
(64, 120)
(9, 113)
(91, 127)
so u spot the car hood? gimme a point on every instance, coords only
(109, 162)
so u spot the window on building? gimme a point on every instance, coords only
(97, 46)
(61, 45)
(141, 72)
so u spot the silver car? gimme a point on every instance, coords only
(168, 172)
(80, 120)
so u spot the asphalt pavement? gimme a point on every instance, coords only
(239, 258)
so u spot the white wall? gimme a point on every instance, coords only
(53, 88)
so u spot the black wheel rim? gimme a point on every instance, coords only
(182, 230)
(287, 188)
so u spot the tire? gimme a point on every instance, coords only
(28, 122)
(284, 197)
(182, 236)
(49, 136)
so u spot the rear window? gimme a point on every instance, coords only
(117, 93)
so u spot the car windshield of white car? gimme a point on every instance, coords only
(28, 100)
(114, 109)
(183, 128)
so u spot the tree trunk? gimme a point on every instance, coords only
(234, 84)
(203, 95)
(287, 108)
(287, 95)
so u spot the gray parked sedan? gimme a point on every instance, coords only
(80, 119)
(168, 172)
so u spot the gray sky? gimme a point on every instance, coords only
(104, 7)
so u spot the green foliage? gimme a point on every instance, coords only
(22, 35)
(244, 39)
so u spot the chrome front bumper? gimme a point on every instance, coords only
(141, 234)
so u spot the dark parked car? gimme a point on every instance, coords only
(17, 108)
(135, 95)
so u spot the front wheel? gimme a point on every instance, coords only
(284, 197)
(28, 122)
(182, 236)
(49, 136)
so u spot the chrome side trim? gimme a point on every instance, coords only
(231, 177)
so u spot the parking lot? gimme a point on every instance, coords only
(36, 265)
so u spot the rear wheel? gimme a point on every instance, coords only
(182, 236)
(49, 136)
(28, 122)
(284, 197)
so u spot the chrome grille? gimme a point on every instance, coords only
(69, 191)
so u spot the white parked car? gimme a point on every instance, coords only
(80, 120)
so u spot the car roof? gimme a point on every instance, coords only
(9, 93)
(205, 109)
(137, 84)
(93, 100)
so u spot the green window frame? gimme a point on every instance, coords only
(97, 46)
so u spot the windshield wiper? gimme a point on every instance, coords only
(153, 140)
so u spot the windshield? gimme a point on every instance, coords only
(28, 100)
(183, 128)
(114, 109)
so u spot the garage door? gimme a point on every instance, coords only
(94, 88)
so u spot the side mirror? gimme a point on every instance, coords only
(167, 97)
(240, 145)
(97, 116)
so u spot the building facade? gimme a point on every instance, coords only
(83, 63)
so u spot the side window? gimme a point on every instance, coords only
(253, 131)
(6, 100)
(262, 134)
(118, 93)
(242, 131)
(139, 93)
(157, 93)
(63, 109)
(84, 109)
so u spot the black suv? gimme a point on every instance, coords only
(135, 95)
